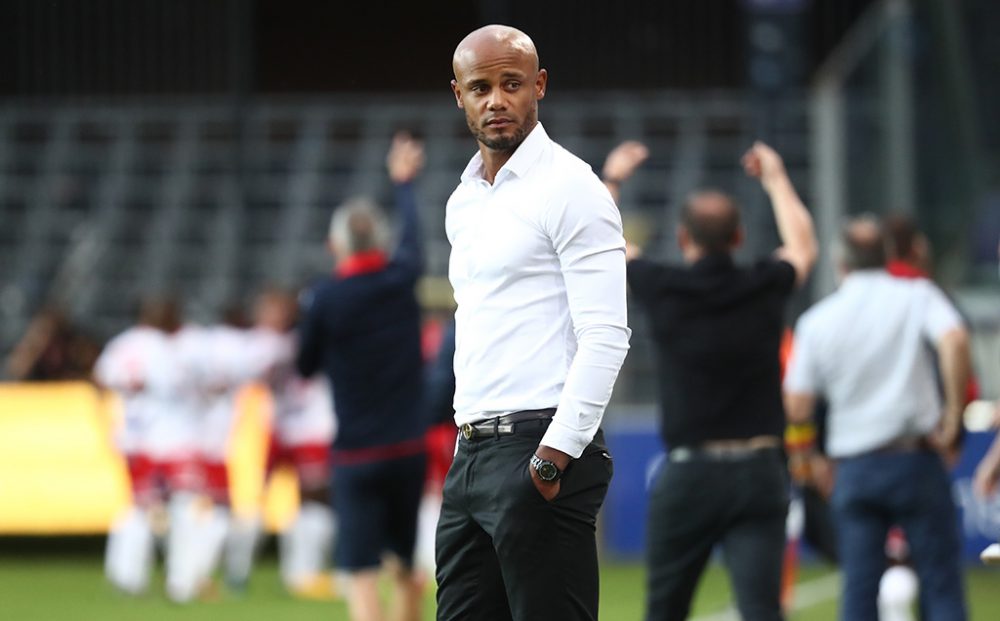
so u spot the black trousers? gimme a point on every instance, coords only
(503, 551)
(740, 503)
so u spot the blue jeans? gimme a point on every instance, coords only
(876, 491)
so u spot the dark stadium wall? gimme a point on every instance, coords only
(115, 47)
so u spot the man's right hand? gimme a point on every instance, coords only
(623, 160)
(946, 439)
(821, 473)
(764, 163)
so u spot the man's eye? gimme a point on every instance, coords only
(513, 85)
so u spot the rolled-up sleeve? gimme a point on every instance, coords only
(586, 232)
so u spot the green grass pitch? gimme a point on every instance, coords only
(51, 587)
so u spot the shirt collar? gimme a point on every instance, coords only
(519, 163)
(713, 262)
(362, 263)
(862, 276)
(902, 269)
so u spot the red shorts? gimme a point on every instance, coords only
(153, 480)
(215, 481)
(440, 452)
(311, 462)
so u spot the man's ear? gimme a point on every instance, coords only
(683, 237)
(541, 81)
(458, 93)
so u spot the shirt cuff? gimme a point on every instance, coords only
(565, 439)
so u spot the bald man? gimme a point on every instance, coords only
(538, 269)
(718, 328)
(869, 349)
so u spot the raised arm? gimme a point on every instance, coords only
(308, 358)
(404, 162)
(795, 225)
(621, 164)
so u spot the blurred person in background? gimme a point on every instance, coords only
(909, 256)
(987, 478)
(864, 348)
(985, 483)
(909, 251)
(441, 435)
(538, 269)
(718, 331)
(303, 426)
(220, 365)
(52, 349)
(157, 439)
(361, 328)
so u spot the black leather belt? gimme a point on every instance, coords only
(506, 425)
(906, 444)
(727, 450)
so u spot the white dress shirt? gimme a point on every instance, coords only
(538, 269)
(869, 349)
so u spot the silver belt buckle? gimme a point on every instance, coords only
(468, 431)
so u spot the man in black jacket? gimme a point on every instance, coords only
(362, 328)
(718, 329)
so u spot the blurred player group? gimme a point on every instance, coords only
(178, 384)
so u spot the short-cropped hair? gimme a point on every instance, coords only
(714, 230)
(863, 244)
(359, 225)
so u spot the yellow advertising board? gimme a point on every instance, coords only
(61, 474)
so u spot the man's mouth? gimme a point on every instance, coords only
(499, 122)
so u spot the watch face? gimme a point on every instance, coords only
(547, 471)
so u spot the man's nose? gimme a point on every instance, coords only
(497, 101)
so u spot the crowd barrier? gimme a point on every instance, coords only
(60, 473)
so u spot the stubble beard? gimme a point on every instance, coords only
(503, 143)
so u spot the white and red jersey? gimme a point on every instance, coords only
(303, 408)
(146, 367)
(221, 363)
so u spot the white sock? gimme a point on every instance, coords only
(194, 544)
(305, 546)
(213, 530)
(181, 549)
(128, 557)
(897, 592)
(241, 545)
(427, 519)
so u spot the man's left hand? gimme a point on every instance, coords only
(549, 489)
(946, 439)
(405, 159)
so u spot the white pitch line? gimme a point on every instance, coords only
(807, 595)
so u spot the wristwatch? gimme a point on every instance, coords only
(547, 471)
